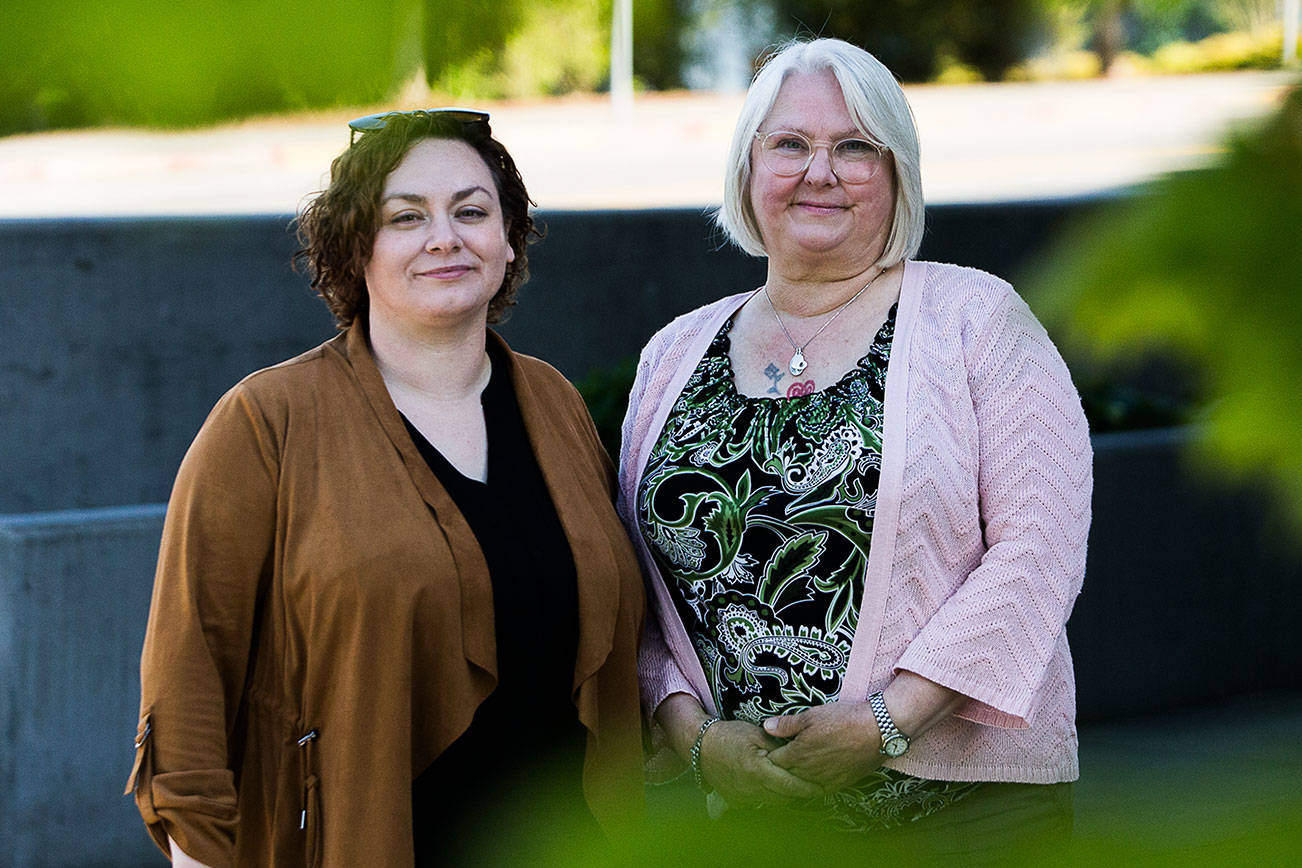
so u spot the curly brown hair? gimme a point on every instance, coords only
(337, 228)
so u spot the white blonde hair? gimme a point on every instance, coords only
(878, 108)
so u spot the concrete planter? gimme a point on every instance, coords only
(1192, 591)
(74, 595)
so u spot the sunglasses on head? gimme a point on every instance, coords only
(378, 121)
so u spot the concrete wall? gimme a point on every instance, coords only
(123, 333)
(74, 594)
(1193, 586)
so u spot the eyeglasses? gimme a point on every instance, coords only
(787, 153)
(378, 121)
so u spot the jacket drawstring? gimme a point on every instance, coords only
(306, 743)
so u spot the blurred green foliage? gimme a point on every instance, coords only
(1206, 265)
(528, 48)
(954, 41)
(913, 37)
(605, 391)
(681, 836)
(1114, 29)
(1220, 52)
(181, 62)
(458, 31)
(516, 48)
(658, 54)
(1149, 24)
(172, 63)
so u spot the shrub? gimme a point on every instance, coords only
(954, 72)
(605, 391)
(1221, 52)
(535, 49)
(1078, 64)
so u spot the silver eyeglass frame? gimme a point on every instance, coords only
(814, 144)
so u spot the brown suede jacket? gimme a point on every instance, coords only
(311, 564)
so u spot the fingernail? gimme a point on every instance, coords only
(770, 725)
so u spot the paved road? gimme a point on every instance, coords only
(980, 143)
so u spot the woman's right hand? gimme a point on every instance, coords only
(734, 755)
(735, 762)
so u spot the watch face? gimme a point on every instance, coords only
(895, 746)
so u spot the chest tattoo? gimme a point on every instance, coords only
(774, 373)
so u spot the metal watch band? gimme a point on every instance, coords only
(889, 731)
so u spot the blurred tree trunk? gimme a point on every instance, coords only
(1109, 37)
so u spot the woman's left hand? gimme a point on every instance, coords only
(831, 745)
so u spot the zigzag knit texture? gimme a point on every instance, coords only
(978, 548)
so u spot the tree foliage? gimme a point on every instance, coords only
(658, 54)
(529, 49)
(526, 48)
(1143, 26)
(1207, 264)
(180, 62)
(912, 37)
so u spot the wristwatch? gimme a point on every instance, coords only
(895, 744)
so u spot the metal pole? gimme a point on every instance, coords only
(1290, 31)
(621, 57)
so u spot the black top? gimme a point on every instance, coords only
(768, 584)
(463, 804)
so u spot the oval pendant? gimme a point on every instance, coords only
(797, 364)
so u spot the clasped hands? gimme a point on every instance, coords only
(792, 757)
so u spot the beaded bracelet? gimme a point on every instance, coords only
(696, 752)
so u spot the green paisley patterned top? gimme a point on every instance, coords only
(759, 513)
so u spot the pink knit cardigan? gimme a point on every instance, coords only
(978, 545)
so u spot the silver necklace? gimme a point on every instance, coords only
(798, 364)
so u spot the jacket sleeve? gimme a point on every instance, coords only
(995, 637)
(214, 563)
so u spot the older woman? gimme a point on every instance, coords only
(393, 590)
(861, 492)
